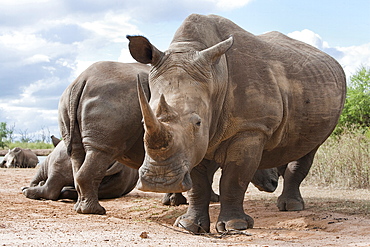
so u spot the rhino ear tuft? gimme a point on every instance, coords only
(143, 51)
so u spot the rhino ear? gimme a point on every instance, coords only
(143, 51)
(213, 53)
(55, 140)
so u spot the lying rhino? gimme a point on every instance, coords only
(247, 102)
(20, 158)
(54, 178)
(102, 107)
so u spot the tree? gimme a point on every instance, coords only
(4, 134)
(356, 112)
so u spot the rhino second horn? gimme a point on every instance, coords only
(213, 53)
(164, 111)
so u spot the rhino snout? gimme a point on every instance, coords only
(154, 179)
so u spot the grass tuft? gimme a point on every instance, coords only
(343, 161)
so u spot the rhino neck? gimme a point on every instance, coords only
(221, 118)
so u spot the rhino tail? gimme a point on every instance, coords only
(74, 97)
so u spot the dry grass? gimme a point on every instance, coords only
(342, 161)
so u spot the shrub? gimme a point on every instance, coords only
(31, 145)
(343, 161)
(4, 134)
(356, 112)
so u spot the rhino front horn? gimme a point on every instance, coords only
(156, 135)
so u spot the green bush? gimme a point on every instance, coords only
(4, 133)
(356, 112)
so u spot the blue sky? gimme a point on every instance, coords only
(46, 44)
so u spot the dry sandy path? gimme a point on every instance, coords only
(332, 218)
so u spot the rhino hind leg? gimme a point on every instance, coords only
(293, 174)
(88, 177)
(49, 190)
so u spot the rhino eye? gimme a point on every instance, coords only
(196, 120)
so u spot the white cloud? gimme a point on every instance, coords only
(112, 27)
(38, 61)
(310, 38)
(354, 57)
(125, 56)
(229, 5)
(38, 58)
(21, 2)
(351, 58)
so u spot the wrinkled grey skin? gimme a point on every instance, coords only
(221, 94)
(54, 178)
(19, 158)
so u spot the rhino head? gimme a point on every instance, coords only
(10, 159)
(177, 120)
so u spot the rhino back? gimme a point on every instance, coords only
(106, 106)
(30, 158)
(109, 108)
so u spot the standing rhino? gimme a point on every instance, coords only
(20, 158)
(54, 178)
(100, 121)
(220, 93)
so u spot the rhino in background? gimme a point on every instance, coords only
(247, 102)
(54, 178)
(20, 158)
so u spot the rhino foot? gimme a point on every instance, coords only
(174, 199)
(31, 192)
(193, 224)
(235, 224)
(290, 204)
(83, 207)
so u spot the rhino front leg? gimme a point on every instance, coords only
(293, 174)
(196, 218)
(242, 159)
(87, 180)
(50, 190)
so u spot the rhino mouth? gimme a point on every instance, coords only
(164, 179)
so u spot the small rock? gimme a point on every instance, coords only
(144, 235)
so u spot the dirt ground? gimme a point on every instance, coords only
(332, 218)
